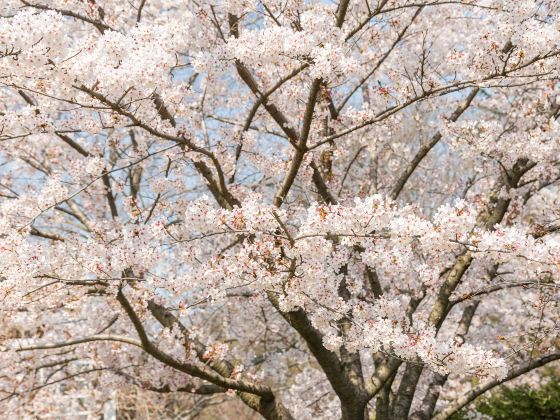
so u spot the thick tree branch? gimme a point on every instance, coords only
(201, 372)
(328, 360)
(301, 147)
(268, 408)
(99, 25)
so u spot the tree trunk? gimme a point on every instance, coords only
(353, 410)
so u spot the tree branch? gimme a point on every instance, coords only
(465, 399)
(425, 149)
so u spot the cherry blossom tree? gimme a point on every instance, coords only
(323, 209)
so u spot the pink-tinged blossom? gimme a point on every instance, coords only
(304, 206)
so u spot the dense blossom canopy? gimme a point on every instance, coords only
(325, 209)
